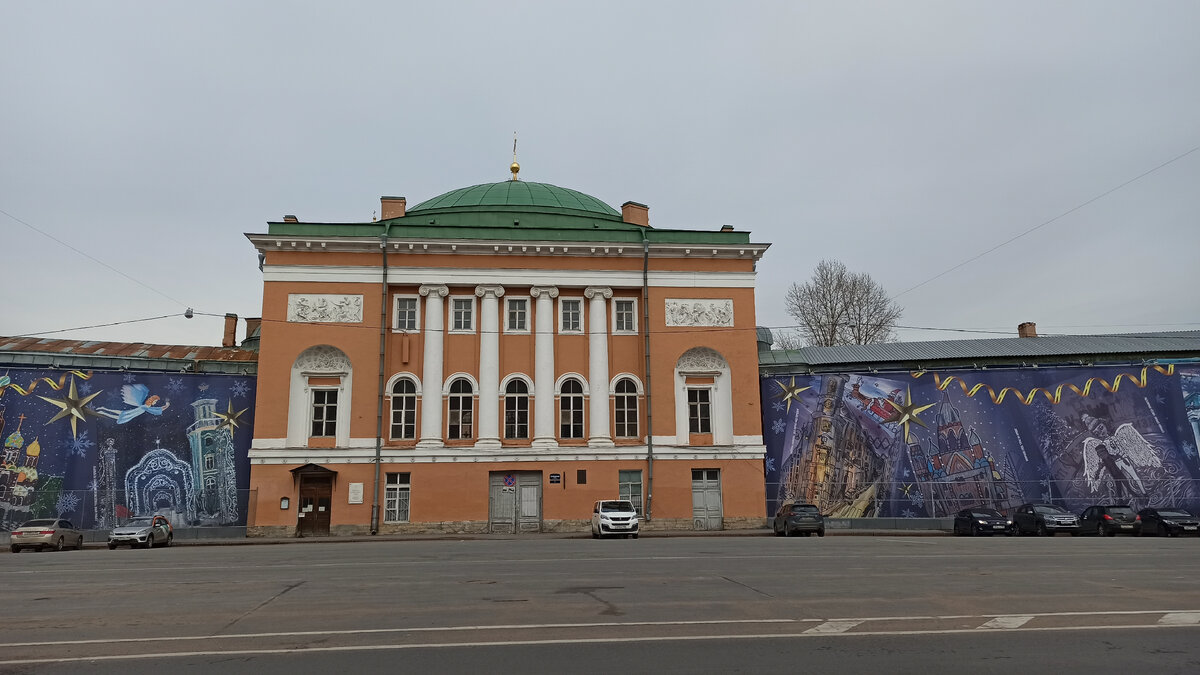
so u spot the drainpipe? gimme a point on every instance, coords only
(649, 400)
(383, 307)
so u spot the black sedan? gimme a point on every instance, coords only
(1169, 522)
(974, 522)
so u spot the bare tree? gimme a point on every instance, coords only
(787, 339)
(839, 307)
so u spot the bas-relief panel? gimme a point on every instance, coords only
(324, 308)
(692, 312)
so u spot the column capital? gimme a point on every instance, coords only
(484, 290)
(438, 289)
(592, 291)
(550, 291)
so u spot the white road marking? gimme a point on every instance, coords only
(571, 641)
(832, 627)
(1180, 619)
(1007, 622)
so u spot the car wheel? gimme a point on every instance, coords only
(1163, 531)
(15, 549)
(635, 536)
(112, 546)
(150, 540)
(1041, 530)
(778, 532)
(168, 542)
(58, 546)
(821, 532)
(79, 544)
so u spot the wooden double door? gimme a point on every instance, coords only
(515, 502)
(316, 505)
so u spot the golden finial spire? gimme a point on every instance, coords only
(515, 168)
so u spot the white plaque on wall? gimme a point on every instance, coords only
(693, 312)
(356, 493)
(324, 308)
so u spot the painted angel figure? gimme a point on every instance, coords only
(1119, 456)
(138, 396)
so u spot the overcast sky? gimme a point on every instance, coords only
(901, 138)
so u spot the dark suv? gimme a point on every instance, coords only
(794, 517)
(1108, 520)
(1044, 520)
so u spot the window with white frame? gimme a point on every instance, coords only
(518, 315)
(462, 314)
(461, 405)
(625, 409)
(395, 498)
(570, 410)
(700, 410)
(516, 410)
(210, 462)
(624, 315)
(629, 486)
(324, 412)
(404, 410)
(406, 314)
(570, 315)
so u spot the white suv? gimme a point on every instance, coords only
(616, 517)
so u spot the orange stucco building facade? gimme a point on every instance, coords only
(498, 358)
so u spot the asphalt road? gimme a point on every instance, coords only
(704, 604)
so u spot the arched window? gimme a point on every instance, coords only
(516, 410)
(570, 410)
(461, 405)
(626, 409)
(404, 409)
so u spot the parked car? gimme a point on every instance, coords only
(1044, 520)
(45, 533)
(797, 518)
(1168, 522)
(145, 532)
(614, 517)
(1110, 520)
(979, 521)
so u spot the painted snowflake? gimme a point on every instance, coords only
(908, 513)
(85, 387)
(239, 388)
(93, 485)
(1189, 449)
(79, 445)
(907, 473)
(174, 385)
(67, 502)
(778, 406)
(770, 465)
(778, 426)
(130, 378)
(917, 499)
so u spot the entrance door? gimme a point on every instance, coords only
(706, 499)
(515, 502)
(316, 502)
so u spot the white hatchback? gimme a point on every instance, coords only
(614, 517)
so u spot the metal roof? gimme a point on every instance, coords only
(516, 193)
(1043, 349)
(32, 352)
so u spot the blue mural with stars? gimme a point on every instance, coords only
(100, 447)
(930, 443)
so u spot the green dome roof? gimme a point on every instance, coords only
(516, 193)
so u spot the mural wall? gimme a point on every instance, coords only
(927, 444)
(100, 447)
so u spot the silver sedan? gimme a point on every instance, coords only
(146, 532)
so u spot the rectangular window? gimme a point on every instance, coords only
(623, 316)
(581, 476)
(395, 506)
(699, 411)
(518, 314)
(516, 416)
(464, 317)
(625, 414)
(406, 314)
(324, 412)
(210, 462)
(629, 486)
(571, 319)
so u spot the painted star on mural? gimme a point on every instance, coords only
(907, 413)
(230, 419)
(791, 392)
(73, 406)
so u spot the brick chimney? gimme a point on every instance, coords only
(230, 338)
(392, 207)
(1027, 329)
(635, 213)
(290, 219)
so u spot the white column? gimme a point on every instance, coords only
(489, 365)
(431, 374)
(598, 434)
(543, 367)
